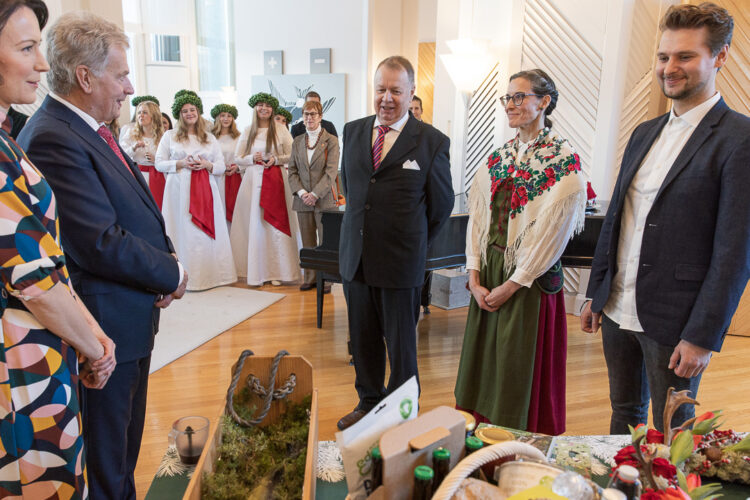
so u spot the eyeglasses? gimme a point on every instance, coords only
(310, 115)
(517, 98)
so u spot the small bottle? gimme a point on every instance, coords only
(377, 468)
(423, 477)
(612, 494)
(473, 444)
(441, 462)
(625, 479)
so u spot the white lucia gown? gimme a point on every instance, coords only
(261, 252)
(208, 261)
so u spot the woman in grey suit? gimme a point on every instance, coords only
(312, 179)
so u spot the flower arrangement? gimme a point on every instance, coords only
(671, 464)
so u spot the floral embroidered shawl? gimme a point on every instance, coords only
(547, 183)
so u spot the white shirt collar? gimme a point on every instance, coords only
(314, 133)
(694, 116)
(90, 121)
(398, 126)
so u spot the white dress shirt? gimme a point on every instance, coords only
(621, 306)
(390, 136)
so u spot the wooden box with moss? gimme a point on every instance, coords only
(275, 458)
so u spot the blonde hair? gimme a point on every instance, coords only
(201, 130)
(79, 39)
(270, 136)
(233, 131)
(137, 132)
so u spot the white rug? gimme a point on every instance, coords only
(200, 316)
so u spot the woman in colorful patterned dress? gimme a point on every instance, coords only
(46, 330)
(523, 209)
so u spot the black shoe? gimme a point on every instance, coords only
(306, 286)
(327, 288)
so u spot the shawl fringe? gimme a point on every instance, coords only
(575, 202)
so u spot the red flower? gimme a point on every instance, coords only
(549, 157)
(549, 171)
(662, 467)
(626, 456)
(550, 182)
(524, 174)
(571, 168)
(654, 436)
(668, 494)
(511, 169)
(514, 201)
(521, 191)
(693, 481)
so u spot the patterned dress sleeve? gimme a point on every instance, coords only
(31, 260)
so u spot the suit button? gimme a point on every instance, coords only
(367, 206)
(372, 181)
(361, 232)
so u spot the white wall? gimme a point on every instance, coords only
(296, 26)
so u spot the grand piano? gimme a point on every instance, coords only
(446, 251)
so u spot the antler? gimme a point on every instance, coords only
(646, 463)
(675, 399)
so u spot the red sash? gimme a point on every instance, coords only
(202, 202)
(156, 183)
(231, 187)
(273, 200)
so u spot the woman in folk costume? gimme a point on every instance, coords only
(141, 143)
(523, 209)
(265, 236)
(225, 131)
(193, 212)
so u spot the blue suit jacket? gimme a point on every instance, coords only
(695, 254)
(393, 214)
(113, 235)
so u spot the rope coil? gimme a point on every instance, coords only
(268, 394)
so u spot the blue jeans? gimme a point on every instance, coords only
(638, 369)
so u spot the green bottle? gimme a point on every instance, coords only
(473, 444)
(377, 468)
(423, 477)
(441, 462)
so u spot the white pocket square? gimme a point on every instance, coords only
(411, 165)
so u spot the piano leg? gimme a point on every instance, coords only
(320, 285)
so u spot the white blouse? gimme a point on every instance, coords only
(128, 143)
(171, 150)
(283, 141)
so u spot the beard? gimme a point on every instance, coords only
(688, 90)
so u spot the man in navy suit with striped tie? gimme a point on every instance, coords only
(396, 175)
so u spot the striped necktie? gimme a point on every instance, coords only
(377, 148)
(110, 140)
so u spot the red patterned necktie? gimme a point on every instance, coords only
(107, 136)
(377, 148)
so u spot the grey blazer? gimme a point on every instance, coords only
(318, 175)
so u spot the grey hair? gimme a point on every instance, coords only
(79, 39)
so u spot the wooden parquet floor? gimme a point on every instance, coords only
(196, 383)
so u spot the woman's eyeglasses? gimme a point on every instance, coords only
(309, 115)
(517, 98)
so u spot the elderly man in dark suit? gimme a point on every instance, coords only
(120, 259)
(674, 253)
(396, 176)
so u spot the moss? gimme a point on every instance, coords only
(256, 462)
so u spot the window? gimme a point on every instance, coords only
(215, 30)
(165, 48)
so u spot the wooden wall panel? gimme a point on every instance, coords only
(426, 78)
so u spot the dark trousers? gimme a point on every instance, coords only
(112, 429)
(638, 370)
(380, 319)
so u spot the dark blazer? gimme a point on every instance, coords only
(113, 235)
(299, 128)
(317, 175)
(394, 213)
(695, 254)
